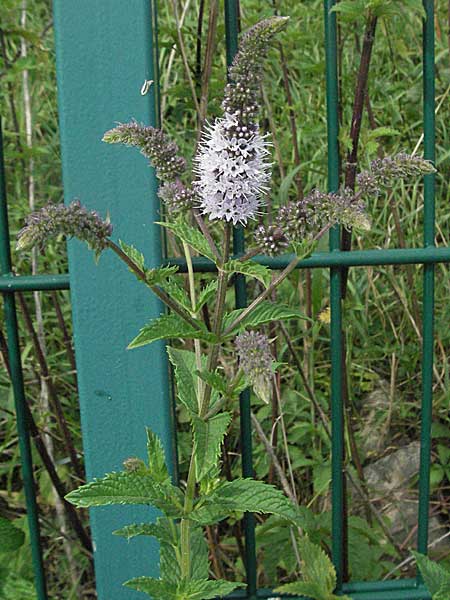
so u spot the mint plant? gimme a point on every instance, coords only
(231, 177)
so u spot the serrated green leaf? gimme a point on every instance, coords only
(382, 132)
(129, 487)
(156, 458)
(11, 537)
(177, 293)
(242, 495)
(435, 576)
(443, 593)
(194, 589)
(156, 588)
(169, 327)
(144, 529)
(318, 573)
(133, 254)
(215, 380)
(191, 236)
(250, 268)
(208, 438)
(263, 313)
(156, 276)
(184, 365)
(168, 533)
(350, 10)
(302, 588)
(208, 292)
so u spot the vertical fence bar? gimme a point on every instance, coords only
(19, 392)
(104, 54)
(231, 30)
(428, 277)
(337, 413)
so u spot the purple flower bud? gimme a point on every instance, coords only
(154, 144)
(384, 171)
(176, 196)
(241, 94)
(271, 239)
(73, 220)
(256, 360)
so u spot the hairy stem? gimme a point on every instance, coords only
(140, 274)
(197, 346)
(204, 407)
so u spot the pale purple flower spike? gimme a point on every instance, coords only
(233, 171)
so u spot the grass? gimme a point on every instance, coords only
(382, 308)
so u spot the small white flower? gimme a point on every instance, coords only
(233, 171)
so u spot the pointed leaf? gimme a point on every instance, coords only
(133, 254)
(156, 588)
(191, 236)
(156, 457)
(177, 293)
(144, 529)
(250, 268)
(435, 576)
(242, 495)
(184, 365)
(194, 589)
(129, 487)
(208, 292)
(169, 327)
(11, 537)
(208, 438)
(263, 313)
(318, 573)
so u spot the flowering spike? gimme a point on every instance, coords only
(256, 361)
(383, 172)
(154, 144)
(73, 220)
(245, 73)
(233, 171)
(232, 162)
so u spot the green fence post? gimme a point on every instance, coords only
(104, 55)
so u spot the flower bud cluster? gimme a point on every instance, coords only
(299, 221)
(270, 239)
(73, 220)
(245, 73)
(177, 196)
(384, 171)
(154, 144)
(256, 360)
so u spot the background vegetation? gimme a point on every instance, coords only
(382, 308)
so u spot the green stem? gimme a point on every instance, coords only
(204, 406)
(197, 346)
(140, 274)
(275, 283)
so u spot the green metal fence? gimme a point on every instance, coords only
(98, 45)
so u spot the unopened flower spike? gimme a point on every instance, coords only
(73, 220)
(232, 164)
(299, 221)
(384, 171)
(255, 359)
(153, 144)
